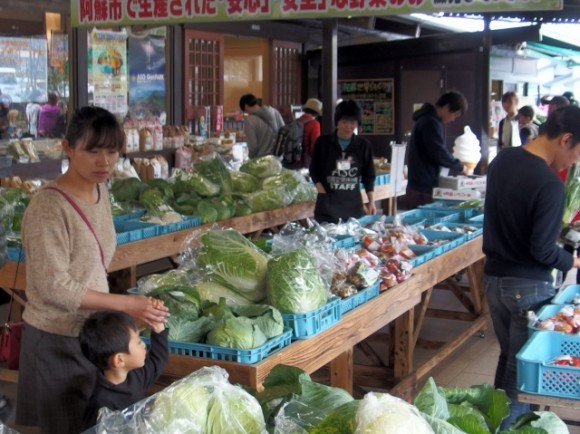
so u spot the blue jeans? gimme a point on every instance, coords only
(509, 300)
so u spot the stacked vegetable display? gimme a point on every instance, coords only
(214, 192)
(291, 403)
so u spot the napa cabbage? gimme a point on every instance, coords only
(212, 291)
(236, 332)
(294, 282)
(262, 167)
(244, 182)
(212, 167)
(273, 198)
(231, 259)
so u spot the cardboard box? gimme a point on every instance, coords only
(449, 194)
(461, 182)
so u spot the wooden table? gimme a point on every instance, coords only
(546, 402)
(335, 345)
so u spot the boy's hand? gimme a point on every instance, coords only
(157, 327)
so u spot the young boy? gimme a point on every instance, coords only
(528, 129)
(110, 340)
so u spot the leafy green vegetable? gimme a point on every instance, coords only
(235, 261)
(236, 332)
(185, 330)
(163, 186)
(184, 401)
(572, 203)
(262, 167)
(182, 301)
(127, 190)
(266, 317)
(244, 182)
(218, 311)
(264, 200)
(196, 182)
(234, 411)
(305, 193)
(212, 291)
(341, 420)
(212, 167)
(294, 282)
(207, 212)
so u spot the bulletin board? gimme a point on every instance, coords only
(376, 98)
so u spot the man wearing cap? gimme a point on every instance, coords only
(312, 109)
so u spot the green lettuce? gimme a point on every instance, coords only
(233, 260)
(262, 167)
(294, 282)
(266, 317)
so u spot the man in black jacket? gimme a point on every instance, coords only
(427, 152)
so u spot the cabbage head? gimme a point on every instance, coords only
(381, 413)
(127, 190)
(262, 167)
(180, 409)
(305, 192)
(212, 291)
(232, 259)
(196, 182)
(244, 182)
(294, 282)
(234, 411)
(266, 317)
(236, 332)
(265, 200)
(212, 167)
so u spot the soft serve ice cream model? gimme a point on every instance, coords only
(467, 150)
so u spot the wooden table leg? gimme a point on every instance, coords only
(341, 371)
(403, 336)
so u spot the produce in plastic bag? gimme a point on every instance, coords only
(265, 200)
(381, 413)
(204, 402)
(294, 283)
(213, 167)
(262, 167)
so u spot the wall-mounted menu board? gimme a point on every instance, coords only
(376, 97)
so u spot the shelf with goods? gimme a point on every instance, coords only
(404, 306)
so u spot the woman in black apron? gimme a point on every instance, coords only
(340, 163)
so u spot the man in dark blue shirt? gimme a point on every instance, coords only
(524, 204)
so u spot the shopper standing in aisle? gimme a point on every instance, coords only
(48, 116)
(508, 131)
(528, 129)
(524, 204)
(340, 162)
(261, 126)
(312, 111)
(427, 152)
(69, 238)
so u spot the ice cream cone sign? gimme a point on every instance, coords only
(467, 150)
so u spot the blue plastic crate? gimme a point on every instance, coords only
(546, 311)
(382, 179)
(347, 242)
(476, 219)
(252, 355)
(364, 295)
(457, 228)
(567, 294)
(536, 375)
(452, 206)
(452, 239)
(187, 223)
(131, 215)
(424, 254)
(409, 220)
(434, 215)
(134, 230)
(16, 254)
(305, 325)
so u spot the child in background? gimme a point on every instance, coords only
(110, 340)
(528, 129)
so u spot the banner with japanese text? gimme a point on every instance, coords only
(137, 12)
(107, 70)
(376, 98)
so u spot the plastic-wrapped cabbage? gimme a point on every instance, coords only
(212, 291)
(244, 182)
(381, 413)
(262, 167)
(212, 167)
(196, 182)
(265, 200)
(232, 259)
(204, 402)
(294, 283)
(173, 277)
(305, 192)
(234, 411)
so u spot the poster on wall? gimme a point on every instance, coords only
(107, 70)
(376, 98)
(147, 75)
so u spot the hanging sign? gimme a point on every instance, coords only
(376, 98)
(137, 12)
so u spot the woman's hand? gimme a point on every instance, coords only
(141, 308)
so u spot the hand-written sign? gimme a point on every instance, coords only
(376, 98)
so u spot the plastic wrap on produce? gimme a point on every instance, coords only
(176, 277)
(213, 167)
(225, 257)
(6, 430)
(204, 402)
(351, 228)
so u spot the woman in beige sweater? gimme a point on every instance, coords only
(69, 238)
